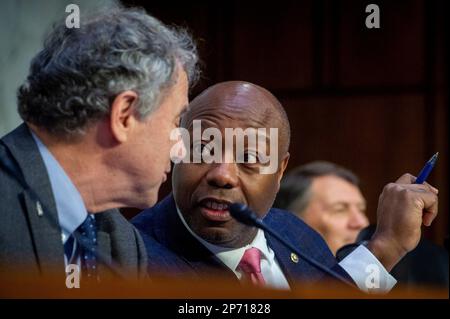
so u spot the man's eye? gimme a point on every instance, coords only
(249, 158)
(201, 148)
(339, 209)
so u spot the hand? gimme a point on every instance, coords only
(402, 209)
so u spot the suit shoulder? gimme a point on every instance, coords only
(142, 218)
(296, 230)
(154, 217)
(144, 222)
(287, 218)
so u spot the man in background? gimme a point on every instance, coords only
(327, 197)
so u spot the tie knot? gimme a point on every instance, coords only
(251, 261)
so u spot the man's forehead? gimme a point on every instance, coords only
(247, 126)
(235, 95)
(239, 104)
(334, 187)
(239, 112)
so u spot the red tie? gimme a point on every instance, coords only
(250, 264)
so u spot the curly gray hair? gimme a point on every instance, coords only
(74, 79)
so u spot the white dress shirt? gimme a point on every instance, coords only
(361, 265)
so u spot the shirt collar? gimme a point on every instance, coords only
(232, 256)
(69, 204)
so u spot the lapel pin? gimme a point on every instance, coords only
(294, 258)
(40, 211)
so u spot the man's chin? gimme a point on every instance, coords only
(147, 201)
(217, 236)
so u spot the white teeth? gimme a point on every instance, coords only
(216, 206)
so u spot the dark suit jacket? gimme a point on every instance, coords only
(33, 242)
(172, 248)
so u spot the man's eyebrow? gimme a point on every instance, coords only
(340, 203)
(204, 123)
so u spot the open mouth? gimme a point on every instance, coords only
(215, 209)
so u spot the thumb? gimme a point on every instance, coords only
(406, 179)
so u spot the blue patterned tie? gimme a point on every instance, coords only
(88, 241)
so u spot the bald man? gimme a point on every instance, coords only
(192, 229)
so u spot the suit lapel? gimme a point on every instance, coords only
(287, 260)
(46, 236)
(38, 200)
(293, 266)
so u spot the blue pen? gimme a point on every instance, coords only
(426, 170)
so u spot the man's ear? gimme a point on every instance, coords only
(123, 115)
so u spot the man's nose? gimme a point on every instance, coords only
(223, 175)
(358, 219)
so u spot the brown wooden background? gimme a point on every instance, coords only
(373, 100)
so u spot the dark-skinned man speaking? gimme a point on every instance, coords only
(196, 231)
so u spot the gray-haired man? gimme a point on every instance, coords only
(99, 104)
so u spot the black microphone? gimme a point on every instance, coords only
(246, 216)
